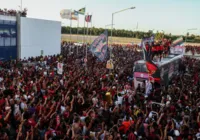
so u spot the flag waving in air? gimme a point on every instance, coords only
(178, 41)
(99, 46)
(88, 18)
(65, 14)
(82, 11)
(74, 15)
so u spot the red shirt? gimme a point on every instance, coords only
(154, 49)
(125, 126)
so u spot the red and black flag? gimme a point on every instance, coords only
(153, 71)
(88, 18)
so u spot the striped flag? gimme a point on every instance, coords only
(88, 18)
(74, 15)
(82, 11)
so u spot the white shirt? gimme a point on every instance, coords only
(62, 108)
(23, 105)
(119, 100)
(16, 111)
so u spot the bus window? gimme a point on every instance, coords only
(140, 68)
(143, 68)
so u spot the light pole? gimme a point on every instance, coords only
(108, 25)
(106, 28)
(112, 23)
(21, 6)
(191, 29)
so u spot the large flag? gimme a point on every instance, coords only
(178, 41)
(88, 18)
(65, 14)
(177, 47)
(74, 15)
(99, 46)
(82, 11)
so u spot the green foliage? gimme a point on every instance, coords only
(127, 33)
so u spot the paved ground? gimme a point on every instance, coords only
(80, 38)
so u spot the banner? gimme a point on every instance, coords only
(59, 68)
(99, 46)
(109, 65)
(179, 49)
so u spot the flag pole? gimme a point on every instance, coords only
(84, 30)
(77, 34)
(71, 25)
(91, 31)
(87, 39)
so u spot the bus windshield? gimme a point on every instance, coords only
(140, 67)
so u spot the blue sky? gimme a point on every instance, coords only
(172, 16)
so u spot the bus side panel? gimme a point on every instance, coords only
(168, 71)
(164, 74)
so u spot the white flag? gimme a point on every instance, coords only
(60, 68)
(65, 14)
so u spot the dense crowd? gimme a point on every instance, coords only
(91, 102)
(194, 49)
(13, 12)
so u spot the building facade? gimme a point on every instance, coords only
(8, 37)
(22, 37)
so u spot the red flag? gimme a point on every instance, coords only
(88, 18)
(151, 68)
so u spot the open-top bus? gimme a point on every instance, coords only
(168, 66)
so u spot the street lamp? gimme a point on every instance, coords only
(108, 25)
(106, 28)
(21, 5)
(112, 23)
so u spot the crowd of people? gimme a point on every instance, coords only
(195, 49)
(13, 12)
(90, 102)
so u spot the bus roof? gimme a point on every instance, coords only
(165, 60)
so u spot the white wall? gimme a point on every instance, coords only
(37, 35)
